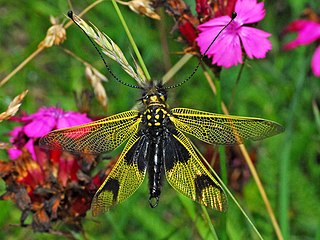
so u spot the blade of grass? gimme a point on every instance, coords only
(222, 156)
(251, 167)
(234, 90)
(248, 161)
(176, 67)
(118, 233)
(286, 149)
(198, 221)
(209, 223)
(131, 40)
(230, 194)
(316, 114)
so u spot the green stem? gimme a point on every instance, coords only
(177, 66)
(209, 223)
(222, 157)
(222, 153)
(204, 227)
(131, 40)
(229, 193)
(286, 153)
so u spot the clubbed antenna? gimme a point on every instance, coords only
(234, 14)
(71, 16)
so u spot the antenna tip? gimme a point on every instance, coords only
(234, 15)
(70, 14)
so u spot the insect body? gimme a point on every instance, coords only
(157, 145)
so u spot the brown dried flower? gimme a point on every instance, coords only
(13, 106)
(56, 35)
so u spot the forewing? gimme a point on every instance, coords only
(222, 129)
(125, 177)
(187, 174)
(96, 137)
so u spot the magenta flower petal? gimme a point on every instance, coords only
(215, 22)
(308, 31)
(29, 145)
(296, 25)
(315, 62)
(70, 119)
(205, 38)
(39, 126)
(14, 153)
(227, 51)
(15, 133)
(257, 46)
(249, 11)
(43, 111)
(47, 119)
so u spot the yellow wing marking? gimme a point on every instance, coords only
(125, 177)
(222, 129)
(191, 177)
(96, 137)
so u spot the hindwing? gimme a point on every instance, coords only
(186, 173)
(96, 137)
(125, 177)
(222, 129)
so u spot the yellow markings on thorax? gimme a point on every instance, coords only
(154, 99)
(155, 116)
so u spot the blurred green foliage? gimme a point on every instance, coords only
(266, 89)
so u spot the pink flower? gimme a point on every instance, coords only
(308, 32)
(226, 51)
(47, 119)
(51, 185)
(39, 124)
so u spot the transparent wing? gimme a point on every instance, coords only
(222, 129)
(187, 174)
(125, 177)
(96, 137)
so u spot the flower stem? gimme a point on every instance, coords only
(21, 65)
(234, 90)
(286, 151)
(202, 224)
(263, 194)
(176, 67)
(222, 154)
(252, 168)
(132, 42)
(230, 194)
